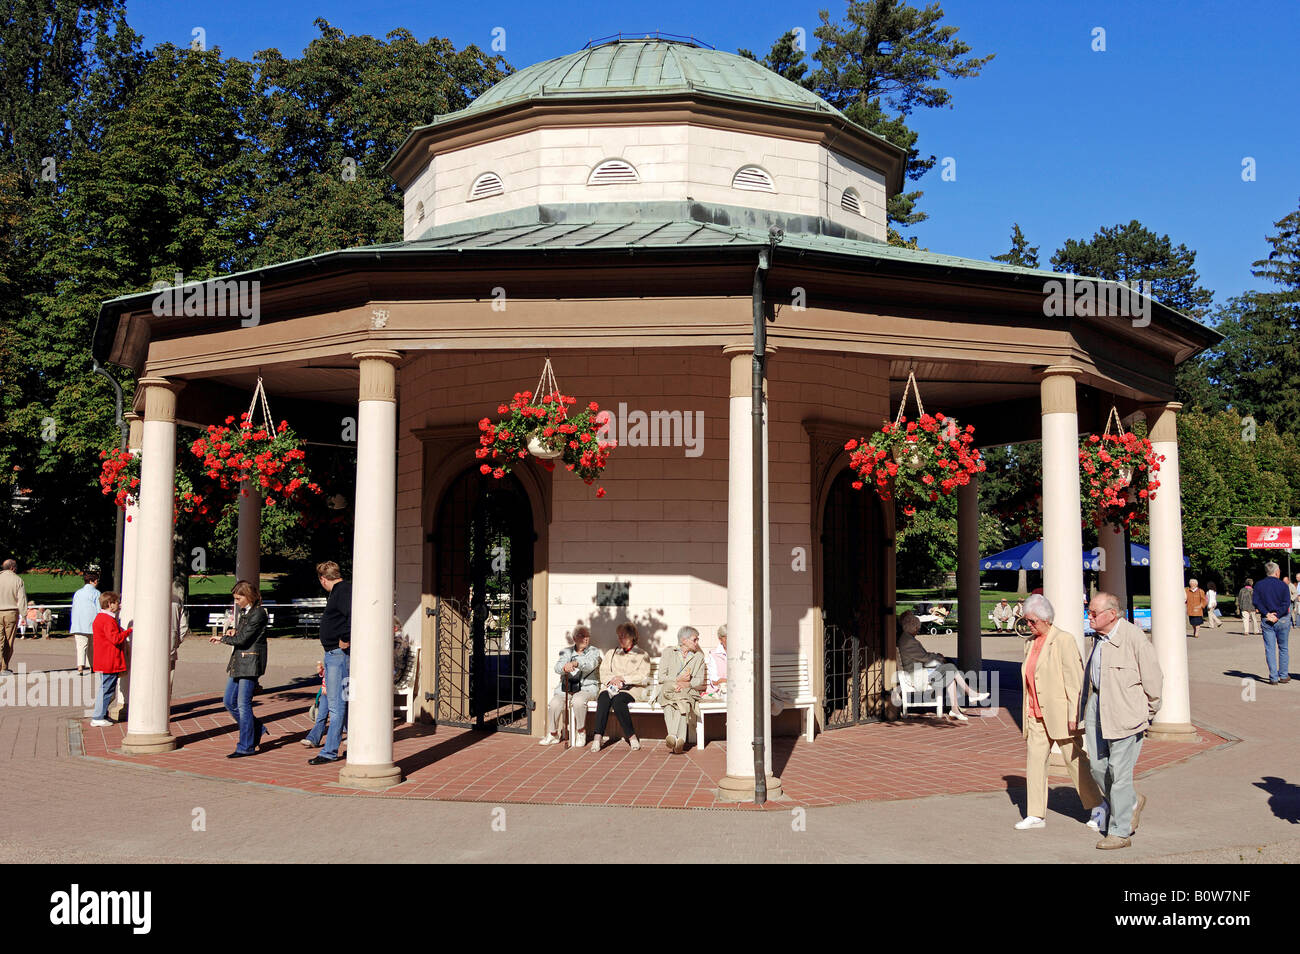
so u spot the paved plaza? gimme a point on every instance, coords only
(915, 791)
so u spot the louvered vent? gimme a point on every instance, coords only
(489, 183)
(850, 202)
(613, 172)
(752, 179)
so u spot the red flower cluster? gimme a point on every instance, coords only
(915, 461)
(1118, 478)
(272, 459)
(551, 425)
(119, 477)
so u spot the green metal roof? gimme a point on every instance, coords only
(639, 67)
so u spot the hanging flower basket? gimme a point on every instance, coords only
(119, 478)
(547, 425)
(914, 461)
(1117, 477)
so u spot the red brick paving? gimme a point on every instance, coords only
(901, 760)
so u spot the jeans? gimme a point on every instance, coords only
(239, 703)
(1277, 652)
(337, 667)
(1111, 762)
(107, 690)
(620, 704)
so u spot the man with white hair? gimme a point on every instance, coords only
(681, 679)
(1120, 697)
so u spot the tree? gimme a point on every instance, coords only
(785, 59)
(1021, 252)
(1128, 253)
(888, 56)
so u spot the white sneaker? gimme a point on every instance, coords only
(595, 744)
(549, 740)
(100, 723)
(1099, 817)
(580, 740)
(635, 743)
(1030, 821)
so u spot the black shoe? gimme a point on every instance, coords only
(239, 755)
(320, 760)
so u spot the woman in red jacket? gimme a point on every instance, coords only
(108, 658)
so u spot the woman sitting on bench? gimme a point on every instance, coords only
(943, 674)
(625, 678)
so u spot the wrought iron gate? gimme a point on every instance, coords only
(854, 691)
(484, 610)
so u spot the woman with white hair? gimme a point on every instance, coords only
(1051, 679)
(943, 674)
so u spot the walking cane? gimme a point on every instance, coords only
(568, 711)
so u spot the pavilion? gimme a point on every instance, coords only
(616, 210)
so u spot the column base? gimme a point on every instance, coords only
(1173, 732)
(370, 776)
(740, 788)
(147, 743)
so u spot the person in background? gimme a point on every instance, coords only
(1195, 597)
(1004, 617)
(180, 628)
(625, 678)
(1246, 608)
(1211, 606)
(1273, 600)
(33, 621)
(1051, 678)
(336, 640)
(110, 662)
(716, 667)
(579, 671)
(13, 607)
(247, 663)
(942, 674)
(1295, 601)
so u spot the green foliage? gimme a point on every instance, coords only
(785, 59)
(1021, 252)
(1228, 481)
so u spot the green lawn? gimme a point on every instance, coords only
(55, 588)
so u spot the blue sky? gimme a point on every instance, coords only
(1053, 135)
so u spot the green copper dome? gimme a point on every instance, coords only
(640, 67)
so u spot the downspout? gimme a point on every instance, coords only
(765, 257)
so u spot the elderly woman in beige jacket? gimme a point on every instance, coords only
(625, 678)
(1051, 679)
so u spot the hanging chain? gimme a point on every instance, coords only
(902, 405)
(260, 392)
(547, 380)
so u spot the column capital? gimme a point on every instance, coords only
(1162, 421)
(746, 347)
(378, 375)
(160, 398)
(135, 430)
(1057, 388)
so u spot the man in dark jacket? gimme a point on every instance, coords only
(336, 641)
(1246, 607)
(1272, 599)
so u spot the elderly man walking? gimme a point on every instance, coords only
(1116, 711)
(1246, 607)
(681, 679)
(1273, 600)
(13, 607)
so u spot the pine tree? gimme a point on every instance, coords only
(1021, 252)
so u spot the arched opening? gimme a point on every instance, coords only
(853, 604)
(483, 537)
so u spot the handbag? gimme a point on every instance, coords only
(243, 664)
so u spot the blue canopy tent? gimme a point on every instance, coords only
(1029, 556)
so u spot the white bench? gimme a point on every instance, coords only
(916, 682)
(219, 621)
(789, 674)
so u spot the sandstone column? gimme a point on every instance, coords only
(1062, 517)
(148, 728)
(738, 783)
(248, 547)
(370, 694)
(1168, 620)
(970, 654)
(130, 534)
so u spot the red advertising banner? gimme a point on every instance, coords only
(1273, 538)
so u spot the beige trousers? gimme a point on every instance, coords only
(8, 630)
(84, 645)
(555, 711)
(1249, 619)
(1040, 750)
(680, 709)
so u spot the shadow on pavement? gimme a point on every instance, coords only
(1283, 798)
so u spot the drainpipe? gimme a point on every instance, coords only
(124, 430)
(760, 525)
